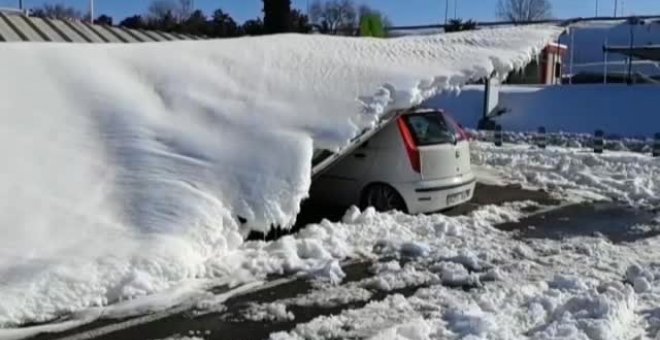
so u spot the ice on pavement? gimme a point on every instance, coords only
(125, 166)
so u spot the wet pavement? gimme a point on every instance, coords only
(615, 222)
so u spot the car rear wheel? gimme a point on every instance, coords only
(383, 198)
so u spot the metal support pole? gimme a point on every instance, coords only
(616, 7)
(632, 24)
(541, 138)
(599, 141)
(446, 11)
(497, 135)
(91, 11)
(570, 79)
(605, 66)
(20, 4)
(455, 9)
(623, 8)
(596, 8)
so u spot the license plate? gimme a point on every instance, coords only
(457, 197)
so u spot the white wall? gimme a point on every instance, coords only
(617, 109)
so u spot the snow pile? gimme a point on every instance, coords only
(626, 177)
(567, 139)
(364, 323)
(268, 312)
(125, 166)
(580, 288)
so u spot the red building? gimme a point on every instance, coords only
(547, 69)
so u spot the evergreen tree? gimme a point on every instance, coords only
(254, 27)
(457, 25)
(300, 22)
(196, 24)
(371, 25)
(57, 11)
(103, 20)
(223, 25)
(277, 16)
(134, 22)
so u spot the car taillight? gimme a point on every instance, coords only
(462, 135)
(411, 147)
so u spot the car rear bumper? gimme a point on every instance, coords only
(435, 195)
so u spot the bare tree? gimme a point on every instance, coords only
(160, 8)
(185, 9)
(179, 9)
(334, 16)
(524, 10)
(57, 11)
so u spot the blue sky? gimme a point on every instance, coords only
(401, 12)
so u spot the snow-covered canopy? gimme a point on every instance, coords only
(124, 166)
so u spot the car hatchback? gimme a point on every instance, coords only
(418, 164)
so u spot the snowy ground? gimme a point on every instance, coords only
(440, 277)
(576, 173)
(578, 288)
(127, 202)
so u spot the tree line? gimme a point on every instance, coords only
(340, 17)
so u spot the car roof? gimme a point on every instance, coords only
(423, 110)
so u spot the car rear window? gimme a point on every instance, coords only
(430, 129)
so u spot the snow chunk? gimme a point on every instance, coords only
(414, 249)
(419, 329)
(409, 276)
(351, 215)
(470, 322)
(639, 278)
(604, 315)
(454, 274)
(330, 272)
(360, 323)
(268, 312)
(568, 282)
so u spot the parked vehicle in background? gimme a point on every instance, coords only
(419, 163)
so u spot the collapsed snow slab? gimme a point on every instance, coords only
(225, 122)
(125, 165)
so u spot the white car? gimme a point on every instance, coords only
(419, 163)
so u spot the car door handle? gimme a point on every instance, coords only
(360, 155)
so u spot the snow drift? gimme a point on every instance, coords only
(125, 166)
